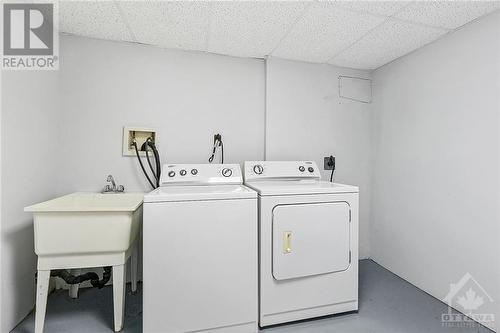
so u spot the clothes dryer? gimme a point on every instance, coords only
(308, 242)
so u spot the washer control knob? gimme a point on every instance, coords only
(171, 173)
(182, 172)
(310, 169)
(301, 168)
(226, 172)
(258, 169)
(194, 172)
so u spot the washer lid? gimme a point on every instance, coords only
(203, 192)
(294, 187)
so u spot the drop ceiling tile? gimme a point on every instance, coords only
(387, 42)
(171, 24)
(447, 14)
(385, 8)
(251, 29)
(96, 19)
(324, 30)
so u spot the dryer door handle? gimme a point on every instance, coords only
(287, 242)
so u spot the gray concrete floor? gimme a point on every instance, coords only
(388, 304)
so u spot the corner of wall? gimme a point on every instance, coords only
(28, 173)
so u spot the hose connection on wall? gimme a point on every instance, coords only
(217, 144)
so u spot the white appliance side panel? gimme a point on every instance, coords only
(310, 239)
(200, 265)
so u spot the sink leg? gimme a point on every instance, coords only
(133, 270)
(73, 289)
(118, 295)
(42, 288)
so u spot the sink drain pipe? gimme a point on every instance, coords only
(92, 276)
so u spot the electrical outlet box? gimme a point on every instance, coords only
(140, 134)
(326, 162)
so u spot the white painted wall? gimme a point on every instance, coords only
(102, 86)
(29, 130)
(436, 172)
(187, 96)
(1, 196)
(497, 315)
(306, 120)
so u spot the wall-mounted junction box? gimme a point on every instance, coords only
(140, 134)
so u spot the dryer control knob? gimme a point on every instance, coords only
(194, 172)
(226, 172)
(182, 172)
(171, 173)
(301, 168)
(311, 169)
(258, 169)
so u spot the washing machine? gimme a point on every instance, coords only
(308, 242)
(200, 251)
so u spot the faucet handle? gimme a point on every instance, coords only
(112, 188)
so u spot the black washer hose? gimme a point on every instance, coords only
(221, 151)
(145, 148)
(142, 166)
(157, 161)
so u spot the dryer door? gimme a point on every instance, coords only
(310, 239)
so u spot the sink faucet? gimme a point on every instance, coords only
(113, 188)
(112, 180)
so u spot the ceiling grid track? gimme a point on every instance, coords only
(125, 20)
(300, 17)
(387, 18)
(393, 16)
(209, 26)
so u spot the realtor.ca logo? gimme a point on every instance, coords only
(469, 297)
(30, 38)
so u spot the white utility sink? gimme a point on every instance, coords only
(84, 230)
(87, 223)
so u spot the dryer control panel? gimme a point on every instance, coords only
(201, 174)
(275, 170)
